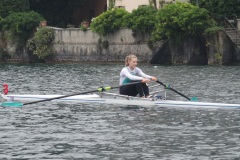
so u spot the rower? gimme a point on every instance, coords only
(131, 73)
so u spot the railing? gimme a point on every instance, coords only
(229, 25)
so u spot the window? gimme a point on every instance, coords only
(120, 7)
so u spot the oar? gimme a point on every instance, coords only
(168, 87)
(101, 89)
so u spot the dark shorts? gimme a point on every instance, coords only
(135, 89)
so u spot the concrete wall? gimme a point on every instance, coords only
(77, 45)
(222, 50)
(214, 49)
(238, 24)
(190, 50)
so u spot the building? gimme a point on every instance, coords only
(93, 8)
(130, 5)
(90, 9)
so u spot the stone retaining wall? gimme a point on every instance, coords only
(77, 45)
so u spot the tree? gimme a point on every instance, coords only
(41, 43)
(142, 19)
(8, 6)
(178, 20)
(21, 23)
(109, 21)
(220, 8)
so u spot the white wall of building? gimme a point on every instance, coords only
(130, 5)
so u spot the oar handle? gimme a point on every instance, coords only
(174, 90)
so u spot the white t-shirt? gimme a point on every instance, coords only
(128, 75)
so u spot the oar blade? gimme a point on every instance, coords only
(11, 104)
(194, 99)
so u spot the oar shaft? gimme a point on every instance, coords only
(70, 95)
(180, 94)
(174, 90)
(101, 89)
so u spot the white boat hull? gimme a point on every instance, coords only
(170, 103)
(28, 97)
(94, 98)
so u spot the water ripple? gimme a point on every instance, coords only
(96, 131)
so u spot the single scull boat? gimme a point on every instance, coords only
(113, 98)
(110, 98)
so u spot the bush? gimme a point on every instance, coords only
(212, 30)
(108, 21)
(83, 28)
(142, 19)
(177, 20)
(41, 43)
(21, 23)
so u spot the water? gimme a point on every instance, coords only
(97, 131)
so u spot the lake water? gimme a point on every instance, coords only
(58, 131)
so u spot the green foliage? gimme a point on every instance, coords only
(178, 20)
(41, 43)
(218, 56)
(142, 19)
(9, 6)
(212, 30)
(220, 8)
(83, 28)
(109, 21)
(21, 23)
